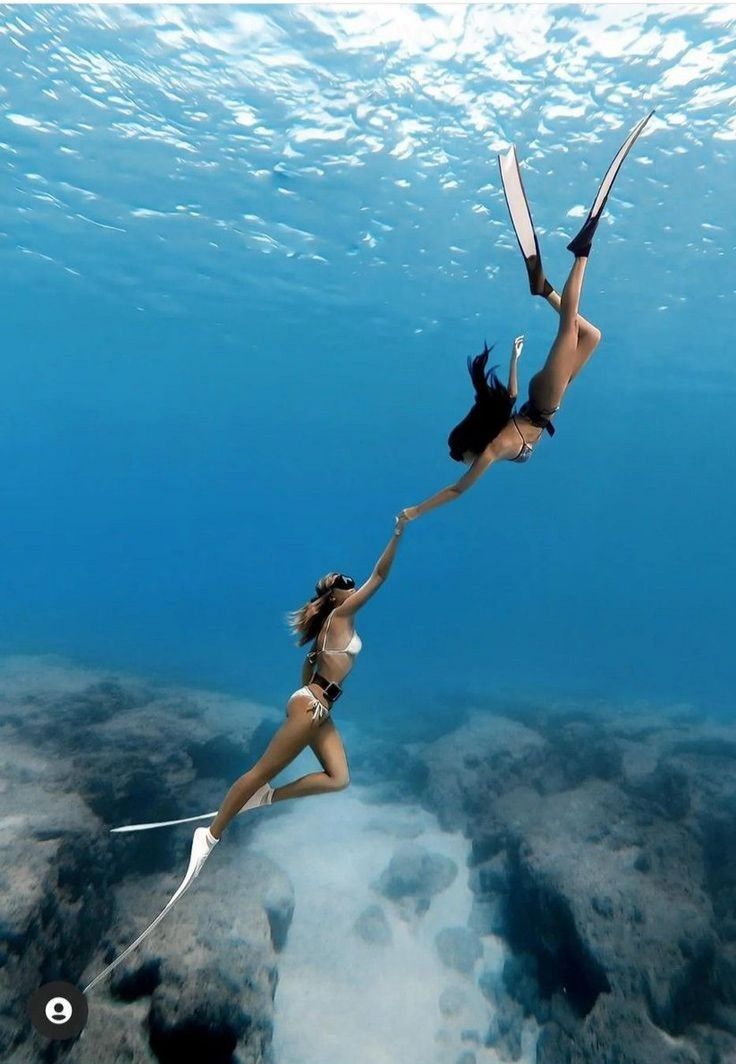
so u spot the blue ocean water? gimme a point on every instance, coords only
(245, 253)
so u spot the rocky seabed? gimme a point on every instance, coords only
(539, 883)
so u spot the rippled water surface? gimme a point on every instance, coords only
(245, 253)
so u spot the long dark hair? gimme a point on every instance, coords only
(488, 414)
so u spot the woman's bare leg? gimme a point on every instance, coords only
(570, 299)
(328, 748)
(589, 335)
(297, 732)
(553, 298)
(564, 359)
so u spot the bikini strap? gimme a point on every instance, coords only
(327, 625)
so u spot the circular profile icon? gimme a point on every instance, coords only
(58, 1010)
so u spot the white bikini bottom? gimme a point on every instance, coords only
(318, 710)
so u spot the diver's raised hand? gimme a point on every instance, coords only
(518, 347)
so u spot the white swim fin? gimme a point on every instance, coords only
(201, 849)
(521, 220)
(261, 797)
(164, 823)
(581, 243)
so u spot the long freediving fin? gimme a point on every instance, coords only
(521, 220)
(581, 242)
(260, 797)
(199, 853)
(163, 823)
(106, 971)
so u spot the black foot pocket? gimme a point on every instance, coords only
(538, 283)
(580, 244)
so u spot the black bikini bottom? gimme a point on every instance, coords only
(539, 418)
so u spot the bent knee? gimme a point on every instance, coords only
(592, 336)
(339, 783)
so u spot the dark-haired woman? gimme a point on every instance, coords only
(493, 431)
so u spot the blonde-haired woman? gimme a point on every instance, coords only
(327, 621)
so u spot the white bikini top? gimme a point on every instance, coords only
(353, 648)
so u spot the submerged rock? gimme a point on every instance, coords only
(452, 1001)
(505, 1030)
(604, 847)
(78, 754)
(416, 875)
(458, 948)
(372, 926)
(278, 904)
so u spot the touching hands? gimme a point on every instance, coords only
(409, 514)
(518, 347)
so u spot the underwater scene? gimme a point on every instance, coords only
(367, 520)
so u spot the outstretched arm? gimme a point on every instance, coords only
(454, 491)
(515, 356)
(380, 571)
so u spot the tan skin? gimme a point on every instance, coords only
(575, 342)
(301, 729)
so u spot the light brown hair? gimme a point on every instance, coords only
(307, 621)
